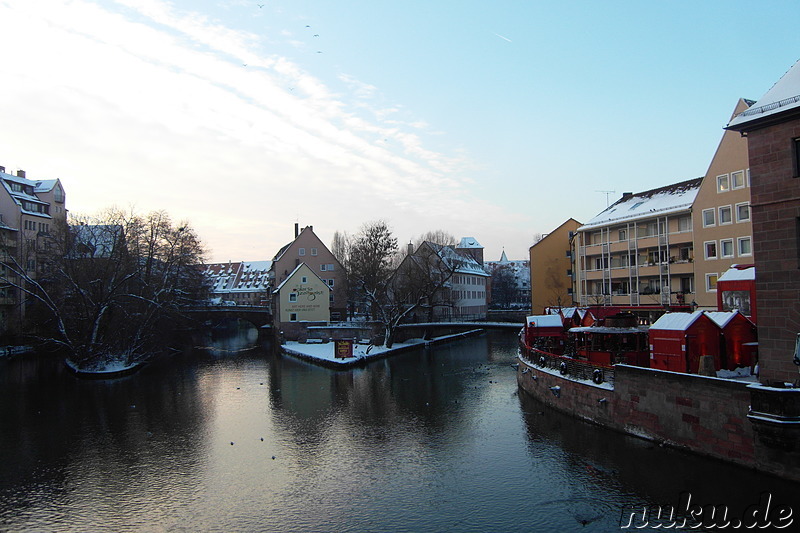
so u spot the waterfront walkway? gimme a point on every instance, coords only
(324, 354)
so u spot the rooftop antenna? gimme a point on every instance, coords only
(607, 193)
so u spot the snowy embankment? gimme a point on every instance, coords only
(104, 369)
(325, 353)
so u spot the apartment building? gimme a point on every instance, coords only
(639, 252)
(723, 230)
(31, 211)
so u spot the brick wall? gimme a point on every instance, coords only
(705, 415)
(775, 208)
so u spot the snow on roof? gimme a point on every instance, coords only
(738, 274)
(664, 200)
(469, 242)
(244, 276)
(45, 185)
(676, 321)
(783, 96)
(544, 321)
(460, 263)
(721, 318)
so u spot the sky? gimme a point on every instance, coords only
(495, 120)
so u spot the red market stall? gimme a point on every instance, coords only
(738, 341)
(545, 332)
(678, 340)
(736, 290)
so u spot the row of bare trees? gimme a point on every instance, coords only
(395, 283)
(109, 284)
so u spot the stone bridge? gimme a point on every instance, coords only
(259, 316)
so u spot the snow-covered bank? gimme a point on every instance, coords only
(104, 370)
(325, 353)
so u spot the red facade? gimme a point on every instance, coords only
(678, 340)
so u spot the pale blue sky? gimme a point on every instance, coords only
(497, 120)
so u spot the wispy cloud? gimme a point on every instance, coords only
(141, 104)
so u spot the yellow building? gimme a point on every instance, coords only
(301, 297)
(551, 268)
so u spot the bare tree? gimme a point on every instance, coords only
(110, 284)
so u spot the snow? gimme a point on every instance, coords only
(544, 321)
(738, 274)
(784, 95)
(326, 351)
(671, 199)
(675, 321)
(469, 242)
(104, 367)
(721, 318)
(742, 373)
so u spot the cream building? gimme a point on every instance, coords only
(301, 297)
(639, 252)
(722, 224)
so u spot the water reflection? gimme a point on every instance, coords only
(228, 436)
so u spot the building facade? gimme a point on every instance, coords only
(638, 253)
(308, 248)
(510, 283)
(772, 128)
(239, 283)
(31, 212)
(551, 266)
(301, 299)
(723, 230)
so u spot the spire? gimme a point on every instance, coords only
(503, 258)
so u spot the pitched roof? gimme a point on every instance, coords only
(469, 242)
(676, 321)
(457, 262)
(655, 202)
(782, 97)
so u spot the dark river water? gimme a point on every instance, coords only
(227, 437)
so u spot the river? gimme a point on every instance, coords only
(228, 437)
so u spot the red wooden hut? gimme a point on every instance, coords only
(736, 290)
(678, 340)
(545, 332)
(738, 339)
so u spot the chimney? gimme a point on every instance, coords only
(626, 195)
(296, 229)
(20, 173)
(410, 248)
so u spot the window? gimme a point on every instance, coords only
(711, 282)
(313, 251)
(301, 252)
(745, 246)
(737, 179)
(796, 143)
(723, 183)
(293, 317)
(685, 224)
(709, 218)
(725, 215)
(623, 234)
(330, 283)
(742, 212)
(711, 249)
(330, 267)
(292, 296)
(304, 279)
(323, 267)
(687, 284)
(726, 247)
